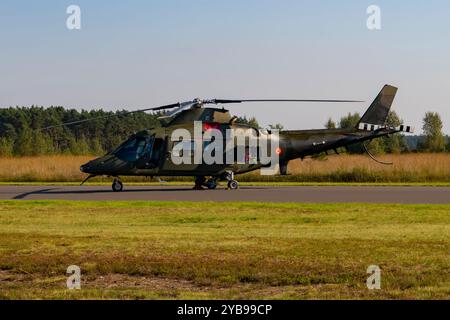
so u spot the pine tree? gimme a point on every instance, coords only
(23, 146)
(330, 124)
(6, 147)
(79, 146)
(42, 145)
(96, 147)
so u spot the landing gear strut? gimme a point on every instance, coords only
(117, 185)
(201, 182)
(211, 183)
(232, 184)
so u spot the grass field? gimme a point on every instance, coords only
(137, 250)
(407, 169)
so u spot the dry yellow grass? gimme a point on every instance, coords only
(431, 164)
(360, 168)
(42, 168)
(343, 168)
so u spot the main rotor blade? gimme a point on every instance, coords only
(70, 123)
(181, 107)
(220, 101)
(186, 105)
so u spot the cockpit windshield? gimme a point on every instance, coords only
(132, 149)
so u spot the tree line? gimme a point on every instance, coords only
(432, 140)
(20, 133)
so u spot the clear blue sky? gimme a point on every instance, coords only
(146, 53)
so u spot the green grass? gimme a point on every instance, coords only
(157, 250)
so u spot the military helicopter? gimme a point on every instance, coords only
(149, 152)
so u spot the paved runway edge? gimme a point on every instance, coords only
(299, 194)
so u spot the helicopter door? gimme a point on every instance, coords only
(157, 151)
(151, 157)
(178, 150)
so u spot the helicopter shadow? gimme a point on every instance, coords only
(26, 194)
(58, 191)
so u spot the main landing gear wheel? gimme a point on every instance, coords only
(199, 182)
(233, 185)
(117, 185)
(211, 184)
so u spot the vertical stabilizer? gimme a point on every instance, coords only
(379, 109)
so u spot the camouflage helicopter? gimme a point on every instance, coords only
(149, 152)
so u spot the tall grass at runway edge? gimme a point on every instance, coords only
(407, 168)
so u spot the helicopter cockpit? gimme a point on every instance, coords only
(145, 151)
(132, 149)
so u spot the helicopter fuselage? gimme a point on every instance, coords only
(155, 152)
(150, 152)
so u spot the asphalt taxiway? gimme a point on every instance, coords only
(307, 194)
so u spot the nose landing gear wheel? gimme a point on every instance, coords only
(233, 185)
(117, 185)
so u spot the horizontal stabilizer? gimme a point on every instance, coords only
(375, 127)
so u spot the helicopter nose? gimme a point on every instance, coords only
(85, 168)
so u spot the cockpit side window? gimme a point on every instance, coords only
(131, 150)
